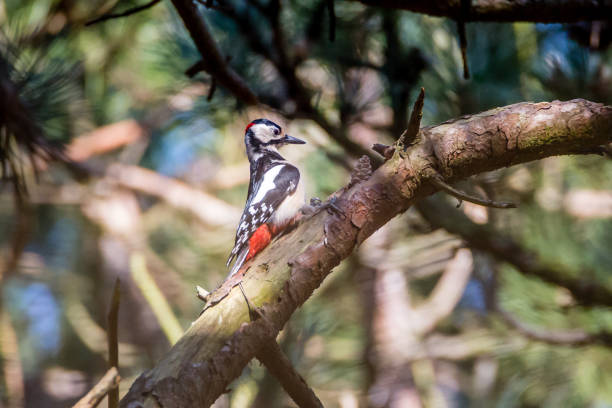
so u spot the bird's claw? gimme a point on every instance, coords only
(330, 206)
(315, 202)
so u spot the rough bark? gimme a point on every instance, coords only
(537, 11)
(215, 349)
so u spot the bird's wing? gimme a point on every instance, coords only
(276, 184)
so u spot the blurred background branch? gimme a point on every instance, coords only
(549, 11)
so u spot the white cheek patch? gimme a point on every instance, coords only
(263, 132)
(267, 184)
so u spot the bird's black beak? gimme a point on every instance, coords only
(292, 140)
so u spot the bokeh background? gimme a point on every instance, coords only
(415, 317)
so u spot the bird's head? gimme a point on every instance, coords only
(263, 135)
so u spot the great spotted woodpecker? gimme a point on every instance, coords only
(275, 195)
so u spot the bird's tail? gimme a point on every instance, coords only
(239, 261)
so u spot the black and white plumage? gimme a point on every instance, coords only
(275, 193)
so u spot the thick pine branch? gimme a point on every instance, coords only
(216, 348)
(537, 11)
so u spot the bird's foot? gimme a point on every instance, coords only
(316, 206)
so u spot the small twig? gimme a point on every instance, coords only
(414, 125)
(113, 341)
(126, 13)
(595, 36)
(332, 20)
(440, 184)
(109, 382)
(463, 46)
(202, 293)
(384, 150)
(280, 367)
(212, 89)
(198, 66)
(465, 11)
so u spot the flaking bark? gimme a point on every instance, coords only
(215, 349)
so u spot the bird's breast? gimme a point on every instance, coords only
(290, 206)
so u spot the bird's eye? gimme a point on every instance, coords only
(276, 132)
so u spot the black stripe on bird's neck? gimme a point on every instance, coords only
(265, 155)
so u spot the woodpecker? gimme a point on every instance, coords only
(276, 192)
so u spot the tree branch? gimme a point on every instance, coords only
(506, 249)
(109, 382)
(215, 349)
(439, 183)
(445, 295)
(208, 209)
(563, 337)
(573, 337)
(213, 62)
(332, 20)
(112, 333)
(279, 365)
(126, 13)
(463, 47)
(537, 11)
(286, 67)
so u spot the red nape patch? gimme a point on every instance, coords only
(248, 127)
(259, 240)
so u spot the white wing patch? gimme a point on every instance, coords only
(267, 184)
